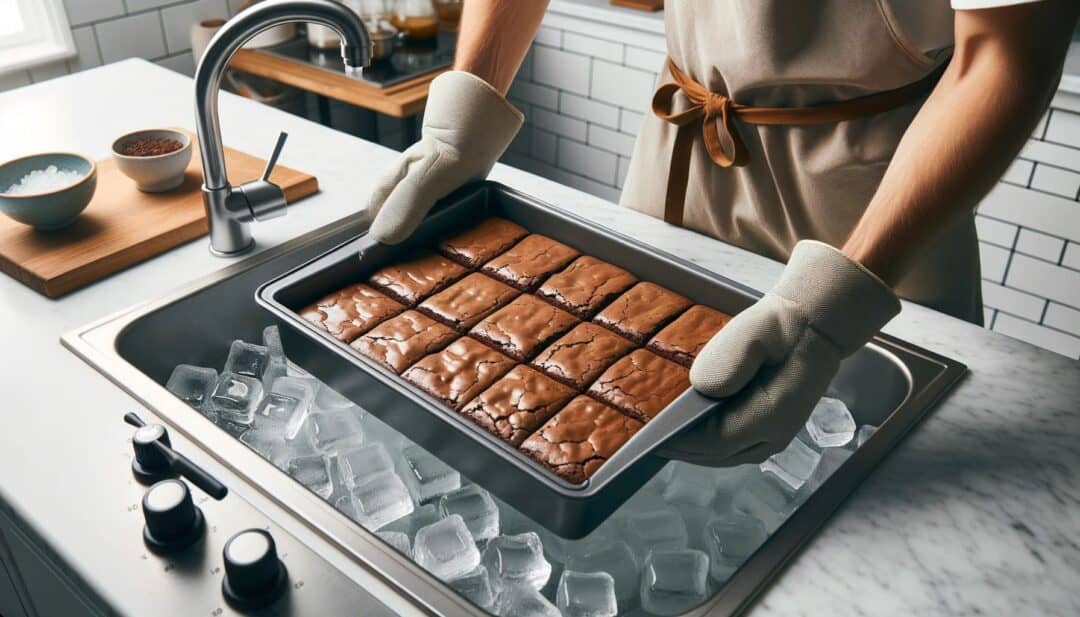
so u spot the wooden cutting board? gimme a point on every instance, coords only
(123, 226)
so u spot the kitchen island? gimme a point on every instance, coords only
(976, 512)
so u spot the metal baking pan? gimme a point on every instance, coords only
(569, 510)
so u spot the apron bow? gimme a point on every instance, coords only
(715, 111)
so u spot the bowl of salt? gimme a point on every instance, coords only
(47, 191)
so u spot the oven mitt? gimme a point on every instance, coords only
(774, 360)
(467, 126)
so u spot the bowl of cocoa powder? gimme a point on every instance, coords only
(155, 159)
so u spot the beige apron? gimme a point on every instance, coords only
(804, 181)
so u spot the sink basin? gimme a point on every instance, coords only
(888, 383)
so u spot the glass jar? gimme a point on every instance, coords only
(416, 19)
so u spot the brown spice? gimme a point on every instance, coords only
(150, 146)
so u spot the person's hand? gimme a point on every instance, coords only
(467, 126)
(774, 360)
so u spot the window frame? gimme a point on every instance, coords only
(46, 37)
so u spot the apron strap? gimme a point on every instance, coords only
(716, 114)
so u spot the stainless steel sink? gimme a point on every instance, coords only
(889, 383)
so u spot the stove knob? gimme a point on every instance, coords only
(173, 522)
(254, 576)
(149, 464)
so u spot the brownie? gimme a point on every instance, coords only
(467, 301)
(530, 261)
(482, 242)
(582, 354)
(516, 405)
(641, 311)
(523, 327)
(416, 278)
(683, 338)
(585, 286)
(578, 439)
(458, 373)
(641, 384)
(350, 312)
(398, 342)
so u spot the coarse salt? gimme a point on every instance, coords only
(44, 181)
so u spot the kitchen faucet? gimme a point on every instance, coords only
(230, 210)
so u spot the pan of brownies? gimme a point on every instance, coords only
(542, 355)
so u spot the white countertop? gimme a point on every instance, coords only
(976, 512)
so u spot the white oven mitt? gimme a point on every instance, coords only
(467, 126)
(775, 359)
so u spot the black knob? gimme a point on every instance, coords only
(254, 576)
(150, 464)
(173, 522)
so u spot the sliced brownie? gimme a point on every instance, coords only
(523, 327)
(530, 261)
(411, 280)
(458, 373)
(348, 313)
(467, 301)
(585, 286)
(400, 341)
(641, 311)
(641, 384)
(482, 242)
(681, 340)
(579, 356)
(517, 404)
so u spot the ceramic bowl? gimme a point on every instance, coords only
(51, 209)
(154, 174)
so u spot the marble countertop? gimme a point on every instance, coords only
(976, 512)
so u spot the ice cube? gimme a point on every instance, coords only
(328, 399)
(830, 424)
(235, 398)
(270, 443)
(674, 581)
(524, 602)
(864, 433)
(655, 530)
(616, 559)
(332, 432)
(193, 384)
(421, 517)
(356, 464)
(303, 392)
(476, 507)
(831, 460)
(399, 541)
(380, 499)
(271, 338)
(730, 540)
(476, 587)
(691, 484)
(517, 560)
(767, 499)
(427, 476)
(247, 359)
(793, 464)
(313, 471)
(586, 594)
(446, 549)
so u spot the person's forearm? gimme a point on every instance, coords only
(1006, 65)
(494, 36)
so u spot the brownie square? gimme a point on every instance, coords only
(411, 280)
(641, 311)
(585, 286)
(582, 354)
(348, 313)
(400, 341)
(530, 261)
(580, 438)
(523, 327)
(463, 304)
(484, 241)
(458, 373)
(681, 340)
(641, 384)
(516, 405)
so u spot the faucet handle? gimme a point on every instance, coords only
(272, 161)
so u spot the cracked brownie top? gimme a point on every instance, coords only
(398, 342)
(486, 240)
(348, 313)
(580, 438)
(458, 373)
(530, 261)
(641, 384)
(523, 327)
(641, 311)
(585, 286)
(517, 404)
(467, 301)
(414, 279)
(681, 340)
(582, 354)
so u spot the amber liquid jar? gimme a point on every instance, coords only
(417, 28)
